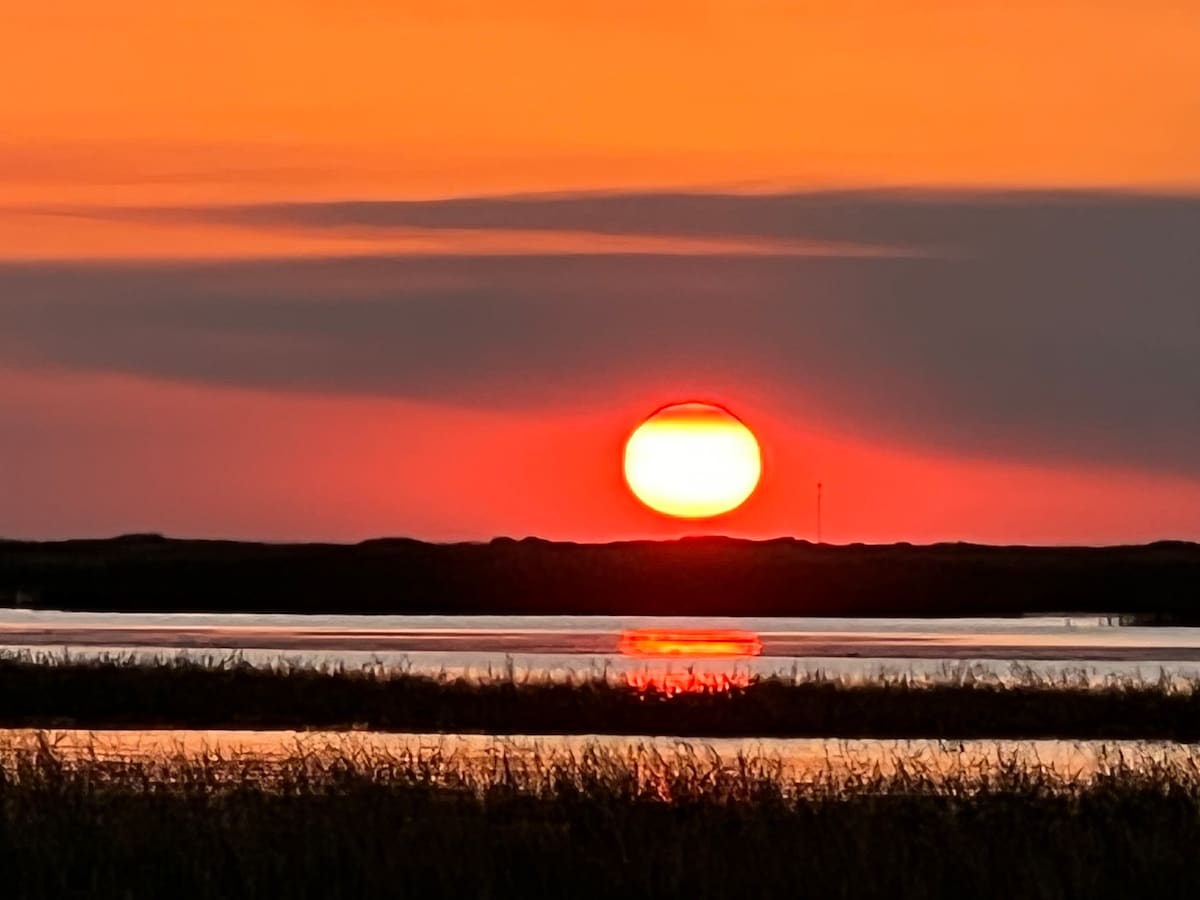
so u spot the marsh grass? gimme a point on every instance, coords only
(51, 691)
(597, 823)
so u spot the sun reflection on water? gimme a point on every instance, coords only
(701, 644)
(672, 683)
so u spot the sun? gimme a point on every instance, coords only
(692, 461)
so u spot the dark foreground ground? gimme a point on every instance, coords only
(225, 694)
(360, 828)
(695, 576)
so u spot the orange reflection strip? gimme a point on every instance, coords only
(692, 642)
(674, 683)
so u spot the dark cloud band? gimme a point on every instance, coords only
(1058, 325)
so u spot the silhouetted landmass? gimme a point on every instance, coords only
(693, 576)
(123, 693)
(348, 825)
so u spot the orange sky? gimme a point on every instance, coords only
(112, 109)
(133, 100)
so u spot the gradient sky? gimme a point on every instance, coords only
(331, 270)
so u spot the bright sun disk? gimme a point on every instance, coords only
(692, 460)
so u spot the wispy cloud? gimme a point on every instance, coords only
(982, 221)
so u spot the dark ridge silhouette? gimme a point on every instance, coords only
(690, 576)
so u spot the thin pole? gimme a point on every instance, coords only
(818, 512)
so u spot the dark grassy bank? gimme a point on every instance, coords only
(235, 694)
(700, 576)
(594, 827)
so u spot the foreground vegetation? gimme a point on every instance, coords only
(598, 824)
(42, 691)
(695, 576)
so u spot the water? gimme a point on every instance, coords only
(572, 645)
(559, 645)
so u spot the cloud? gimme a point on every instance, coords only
(1025, 325)
(986, 222)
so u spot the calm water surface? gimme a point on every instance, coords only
(559, 645)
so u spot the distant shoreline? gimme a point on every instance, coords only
(1155, 583)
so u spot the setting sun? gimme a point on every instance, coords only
(692, 460)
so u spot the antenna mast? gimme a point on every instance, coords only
(819, 512)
